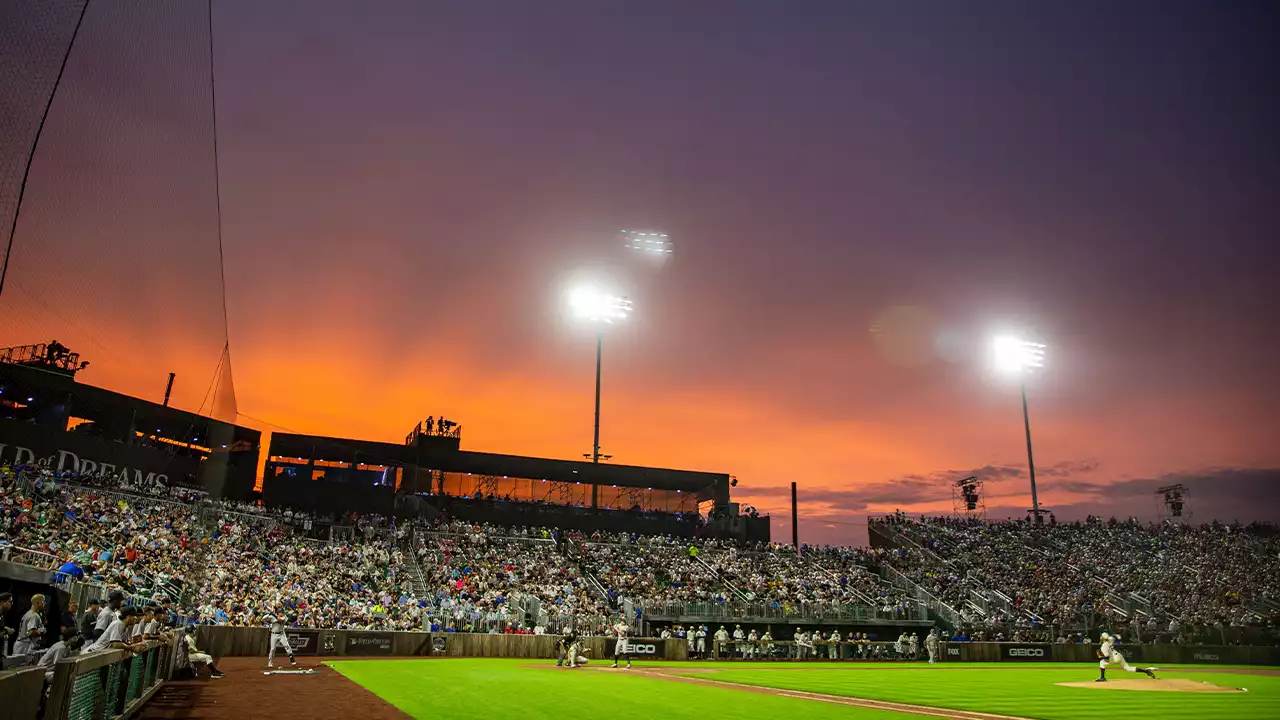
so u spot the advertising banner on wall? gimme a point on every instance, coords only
(1022, 653)
(368, 643)
(26, 444)
(644, 647)
(304, 642)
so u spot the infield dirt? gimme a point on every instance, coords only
(1158, 685)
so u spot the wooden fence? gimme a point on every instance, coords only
(221, 641)
(1144, 654)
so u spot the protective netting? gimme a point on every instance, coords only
(116, 249)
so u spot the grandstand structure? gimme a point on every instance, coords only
(431, 473)
(50, 420)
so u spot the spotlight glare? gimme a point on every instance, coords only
(589, 303)
(1014, 356)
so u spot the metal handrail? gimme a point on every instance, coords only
(716, 574)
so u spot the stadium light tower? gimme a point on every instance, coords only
(1015, 357)
(600, 308)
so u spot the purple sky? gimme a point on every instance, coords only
(860, 194)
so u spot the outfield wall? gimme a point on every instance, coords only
(1145, 654)
(221, 641)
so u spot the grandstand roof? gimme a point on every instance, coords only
(438, 453)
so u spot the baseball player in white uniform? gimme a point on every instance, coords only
(31, 629)
(620, 646)
(278, 637)
(931, 645)
(1108, 655)
(576, 651)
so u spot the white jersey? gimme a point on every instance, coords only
(106, 616)
(1108, 648)
(114, 633)
(277, 626)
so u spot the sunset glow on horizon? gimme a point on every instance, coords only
(859, 201)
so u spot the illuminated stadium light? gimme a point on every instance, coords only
(1014, 356)
(590, 303)
(647, 242)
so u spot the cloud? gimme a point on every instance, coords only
(909, 490)
(1221, 493)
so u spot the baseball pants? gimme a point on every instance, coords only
(1116, 659)
(283, 642)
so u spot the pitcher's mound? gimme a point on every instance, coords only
(1158, 685)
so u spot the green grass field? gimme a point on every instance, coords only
(500, 689)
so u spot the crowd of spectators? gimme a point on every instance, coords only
(653, 569)
(255, 568)
(236, 563)
(145, 547)
(487, 577)
(1159, 579)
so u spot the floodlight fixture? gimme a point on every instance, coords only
(647, 242)
(1014, 356)
(589, 303)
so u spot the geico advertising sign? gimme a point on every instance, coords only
(1026, 652)
(642, 648)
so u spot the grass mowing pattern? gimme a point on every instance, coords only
(506, 690)
(1024, 689)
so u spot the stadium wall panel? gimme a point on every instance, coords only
(1146, 654)
(21, 691)
(222, 641)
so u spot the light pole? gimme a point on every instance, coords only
(599, 308)
(1014, 356)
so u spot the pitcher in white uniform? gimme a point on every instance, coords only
(1108, 655)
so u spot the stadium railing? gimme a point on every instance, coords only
(27, 556)
(943, 610)
(110, 683)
